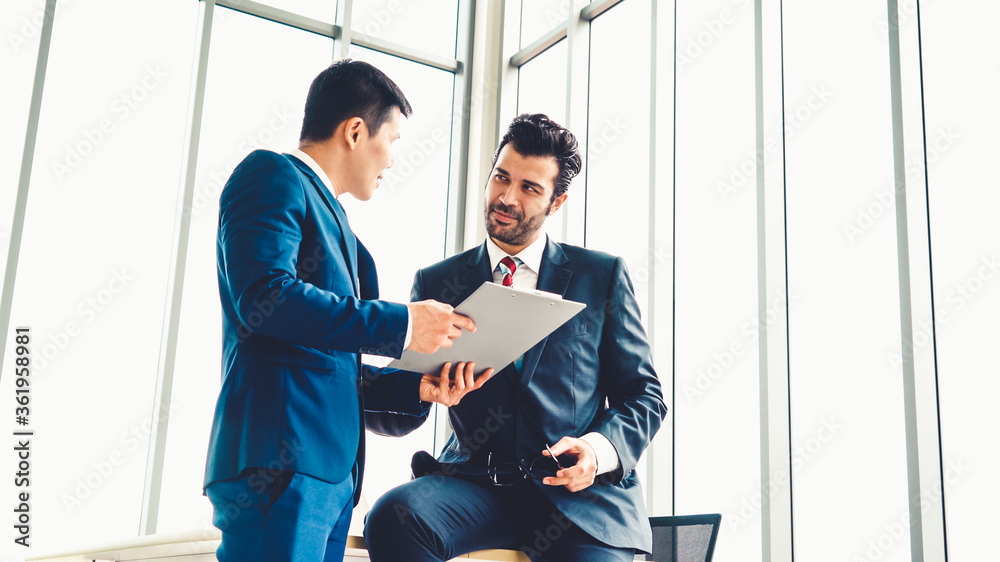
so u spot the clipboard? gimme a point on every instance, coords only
(509, 322)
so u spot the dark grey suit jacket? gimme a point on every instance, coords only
(592, 374)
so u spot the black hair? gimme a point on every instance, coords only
(537, 135)
(347, 89)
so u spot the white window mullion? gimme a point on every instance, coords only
(776, 506)
(923, 445)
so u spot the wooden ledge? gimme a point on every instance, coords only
(206, 541)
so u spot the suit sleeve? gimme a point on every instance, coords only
(392, 397)
(392, 401)
(261, 214)
(627, 377)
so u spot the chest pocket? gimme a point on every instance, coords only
(571, 329)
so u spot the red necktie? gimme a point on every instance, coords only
(507, 267)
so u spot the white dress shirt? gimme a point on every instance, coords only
(526, 277)
(308, 161)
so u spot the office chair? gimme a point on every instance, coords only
(684, 538)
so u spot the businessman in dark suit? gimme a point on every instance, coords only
(298, 293)
(587, 393)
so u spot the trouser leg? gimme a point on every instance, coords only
(285, 517)
(435, 518)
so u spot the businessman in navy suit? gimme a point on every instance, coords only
(298, 293)
(588, 393)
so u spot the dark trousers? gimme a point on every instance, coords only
(284, 517)
(435, 518)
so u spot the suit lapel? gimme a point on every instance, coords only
(349, 244)
(552, 278)
(478, 272)
(367, 274)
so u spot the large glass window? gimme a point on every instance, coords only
(95, 256)
(413, 197)
(426, 25)
(322, 10)
(848, 438)
(541, 88)
(102, 211)
(538, 17)
(258, 75)
(617, 186)
(17, 57)
(617, 194)
(235, 124)
(961, 65)
(541, 84)
(717, 327)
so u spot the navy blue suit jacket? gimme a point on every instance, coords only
(592, 374)
(297, 309)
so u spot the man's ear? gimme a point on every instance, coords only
(354, 128)
(558, 203)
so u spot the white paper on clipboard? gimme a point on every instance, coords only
(509, 322)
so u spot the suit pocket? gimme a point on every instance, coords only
(571, 330)
(452, 454)
(288, 354)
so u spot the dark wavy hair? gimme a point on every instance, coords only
(347, 89)
(537, 135)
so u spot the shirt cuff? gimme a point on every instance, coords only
(409, 329)
(607, 455)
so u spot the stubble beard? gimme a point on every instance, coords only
(521, 231)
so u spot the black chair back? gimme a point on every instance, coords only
(684, 538)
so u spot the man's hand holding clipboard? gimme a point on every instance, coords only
(509, 322)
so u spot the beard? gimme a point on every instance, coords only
(521, 232)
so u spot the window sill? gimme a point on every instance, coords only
(199, 546)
